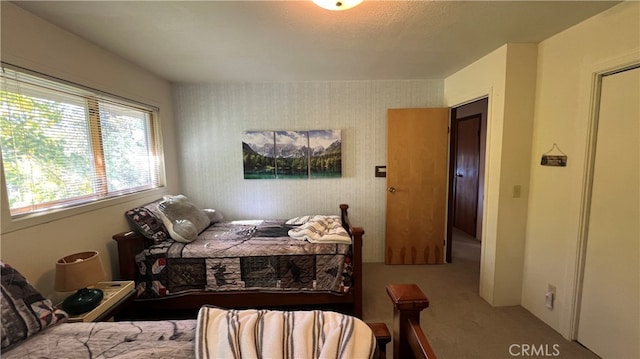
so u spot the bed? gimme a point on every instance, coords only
(32, 327)
(296, 275)
(211, 336)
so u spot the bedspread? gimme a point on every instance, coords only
(244, 255)
(158, 339)
(252, 333)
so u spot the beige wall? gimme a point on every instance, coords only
(212, 118)
(507, 76)
(566, 64)
(548, 241)
(485, 77)
(34, 246)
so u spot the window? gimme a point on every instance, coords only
(64, 145)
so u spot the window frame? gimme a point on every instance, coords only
(10, 223)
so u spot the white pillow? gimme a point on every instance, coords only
(183, 219)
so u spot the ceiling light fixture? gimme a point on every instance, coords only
(337, 5)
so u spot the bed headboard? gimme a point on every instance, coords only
(129, 243)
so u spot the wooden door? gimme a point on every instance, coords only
(609, 323)
(466, 174)
(416, 185)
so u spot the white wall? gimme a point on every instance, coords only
(212, 118)
(566, 64)
(507, 76)
(30, 42)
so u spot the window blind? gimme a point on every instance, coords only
(64, 145)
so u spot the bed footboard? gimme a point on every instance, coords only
(409, 341)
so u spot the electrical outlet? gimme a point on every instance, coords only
(550, 296)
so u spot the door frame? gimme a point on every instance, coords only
(587, 186)
(453, 131)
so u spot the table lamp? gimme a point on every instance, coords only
(77, 272)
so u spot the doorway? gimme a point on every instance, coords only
(466, 171)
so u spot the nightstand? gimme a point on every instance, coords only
(117, 295)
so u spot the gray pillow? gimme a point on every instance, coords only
(183, 219)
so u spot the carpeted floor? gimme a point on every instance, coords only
(458, 323)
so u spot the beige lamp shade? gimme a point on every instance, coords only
(79, 270)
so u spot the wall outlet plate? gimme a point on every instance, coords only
(550, 296)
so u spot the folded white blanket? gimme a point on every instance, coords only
(252, 333)
(321, 229)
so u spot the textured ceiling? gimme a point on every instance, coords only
(231, 41)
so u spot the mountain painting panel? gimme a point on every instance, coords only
(325, 148)
(258, 154)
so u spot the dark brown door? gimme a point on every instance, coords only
(466, 174)
(467, 159)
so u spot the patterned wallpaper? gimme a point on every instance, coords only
(211, 118)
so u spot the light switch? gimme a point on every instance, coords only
(516, 191)
(381, 171)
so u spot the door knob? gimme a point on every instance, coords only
(458, 174)
(392, 189)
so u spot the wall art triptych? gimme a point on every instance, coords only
(292, 154)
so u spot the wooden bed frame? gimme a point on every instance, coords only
(187, 305)
(409, 341)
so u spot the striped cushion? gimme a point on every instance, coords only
(252, 333)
